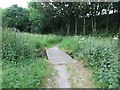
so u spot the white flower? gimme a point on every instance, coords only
(79, 41)
(75, 36)
(26, 43)
(115, 38)
(82, 39)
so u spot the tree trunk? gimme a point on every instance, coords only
(95, 18)
(100, 12)
(100, 9)
(107, 21)
(118, 14)
(61, 28)
(93, 29)
(53, 27)
(92, 24)
(68, 27)
(113, 8)
(75, 26)
(68, 30)
(95, 25)
(119, 29)
(114, 26)
(84, 26)
(107, 25)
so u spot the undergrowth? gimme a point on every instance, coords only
(23, 65)
(25, 74)
(101, 54)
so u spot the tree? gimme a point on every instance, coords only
(62, 17)
(17, 17)
(76, 11)
(42, 16)
(85, 11)
(36, 20)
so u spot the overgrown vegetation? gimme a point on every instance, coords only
(15, 46)
(25, 74)
(101, 54)
(23, 57)
(23, 54)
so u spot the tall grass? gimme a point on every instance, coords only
(99, 53)
(19, 46)
(41, 42)
(23, 59)
(15, 46)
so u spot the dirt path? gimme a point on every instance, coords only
(80, 76)
(60, 60)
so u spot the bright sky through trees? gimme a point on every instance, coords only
(8, 3)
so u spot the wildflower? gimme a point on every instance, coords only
(82, 38)
(35, 49)
(79, 41)
(48, 79)
(99, 37)
(115, 38)
(75, 36)
(26, 43)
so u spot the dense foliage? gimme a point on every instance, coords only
(19, 46)
(23, 63)
(17, 17)
(101, 56)
(25, 74)
(15, 46)
(64, 17)
(23, 53)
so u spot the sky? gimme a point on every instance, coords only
(8, 3)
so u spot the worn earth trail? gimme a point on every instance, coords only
(59, 59)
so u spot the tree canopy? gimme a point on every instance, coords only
(64, 17)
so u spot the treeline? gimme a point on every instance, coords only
(64, 17)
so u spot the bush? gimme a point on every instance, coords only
(99, 53)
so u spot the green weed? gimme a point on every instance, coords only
(25, 74)
(22, 53)
(99, 53)
(15, 47)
